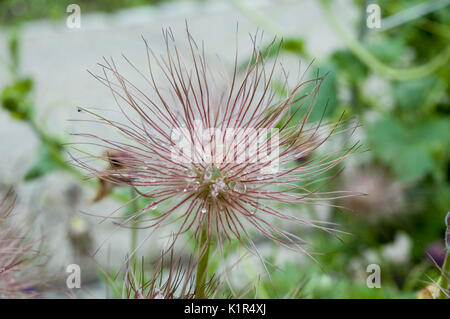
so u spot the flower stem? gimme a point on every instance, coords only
(200, 279)
(134, 230)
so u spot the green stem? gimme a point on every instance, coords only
(54, 148)
(258, 18)
(200, 279)
(377, 66)
(134, 230)
(443, 280)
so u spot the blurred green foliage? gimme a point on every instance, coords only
(410, 139)
(16, 98)
(16, 11)
(406, 128)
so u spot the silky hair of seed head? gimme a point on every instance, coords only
(229, 200)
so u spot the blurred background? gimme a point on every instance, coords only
(393, 77)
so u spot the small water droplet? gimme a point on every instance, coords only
(203, 210)
(239, 187)
(153, 207)
(211, 173)
(208, 174)
(214, 190)
(190, 173)
(221, 184)
(140, 296)
(158, 295)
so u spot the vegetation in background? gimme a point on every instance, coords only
(396, 82)
(16, 11)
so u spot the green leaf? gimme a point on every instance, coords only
(349, 66)
(387, 50)
(23, 85)
(295, 45)
(327, 93)
(433, 131)
(412, 163)
(14, 98)
(13, 47)
(45, 163)
(326, 101)
(411, 95)
(401, 147)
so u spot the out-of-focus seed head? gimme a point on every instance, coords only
(384, 197)
(20, 263)
(115, 173)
